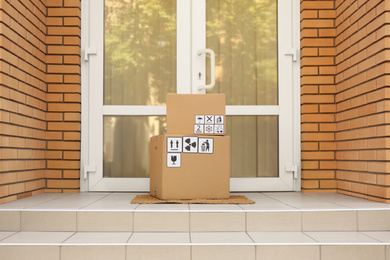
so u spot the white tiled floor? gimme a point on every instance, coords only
(267, 201)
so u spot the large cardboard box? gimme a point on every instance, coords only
(196, 114)
(189, 166)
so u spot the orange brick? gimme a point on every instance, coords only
(53, 174)
(307, 51)
(309, 14)
(309, 71)
(63, 50)
(63, 145)
(60, 164)
(71, 155)
(50, 21)
(63, 69)
(72, 117)
(318, 137)
(317, 155)
(72, 136)
(64, 107)
(317, 99)
(72, 59)
(71, 174)
(72, 21)
(309, 165)
(72, 3)
(318, 174)
(328, 14)
(63, 184)
(312, 184)
(63, 12)
(54, 30)
(309, 33)
(317, 5)
(326, 33)
(72, 79)
(63, 126)
(328, 184)
(54, 3)
(309, 146)
(317, 80)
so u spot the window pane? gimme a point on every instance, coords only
(254, 146)
(139, 51)
(126, 144)
(243, 35)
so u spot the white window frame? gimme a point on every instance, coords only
(91, 176)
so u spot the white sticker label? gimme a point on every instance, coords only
(206, 145)
(174, 144)
(198, 129)
(199, 119)
(190, 144)
(173, 160)
(218, 120)
(218, 129)
(209, 129)
(209, 119)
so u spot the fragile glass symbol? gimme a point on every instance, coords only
(173, 159)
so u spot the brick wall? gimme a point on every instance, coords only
(22, 99)
(63, 95)
(345, 118)
(317, 96)
(39, 97)
(362, 114)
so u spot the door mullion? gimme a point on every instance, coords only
(183, 46)
(198, 25)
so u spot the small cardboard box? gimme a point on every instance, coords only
(199, 114)
(189, 167)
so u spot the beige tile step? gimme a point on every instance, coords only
(112, 212)
(195, 245)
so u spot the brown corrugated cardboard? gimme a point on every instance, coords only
(196, 114)
(189, 166)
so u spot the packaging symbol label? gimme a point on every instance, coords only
(173, 160)
(209, 119)
(218, 129)
(209, 129)
(219, 120)
(209, 124)
(174, 144)
(199, 119)
(206, 145)
(190, 144)
(198, 129)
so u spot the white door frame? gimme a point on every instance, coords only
(91, 176)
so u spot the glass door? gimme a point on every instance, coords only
(148, 48)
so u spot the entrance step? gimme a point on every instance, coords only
(288, 225)
(194, 245)
(272, 212)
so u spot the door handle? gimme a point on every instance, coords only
(212, 68)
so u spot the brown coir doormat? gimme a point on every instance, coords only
(234, 199)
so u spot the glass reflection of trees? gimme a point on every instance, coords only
(140, 51)
(243, 34)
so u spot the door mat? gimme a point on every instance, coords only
(234, 199)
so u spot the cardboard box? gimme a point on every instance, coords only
(189, 166)
(199, 114)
